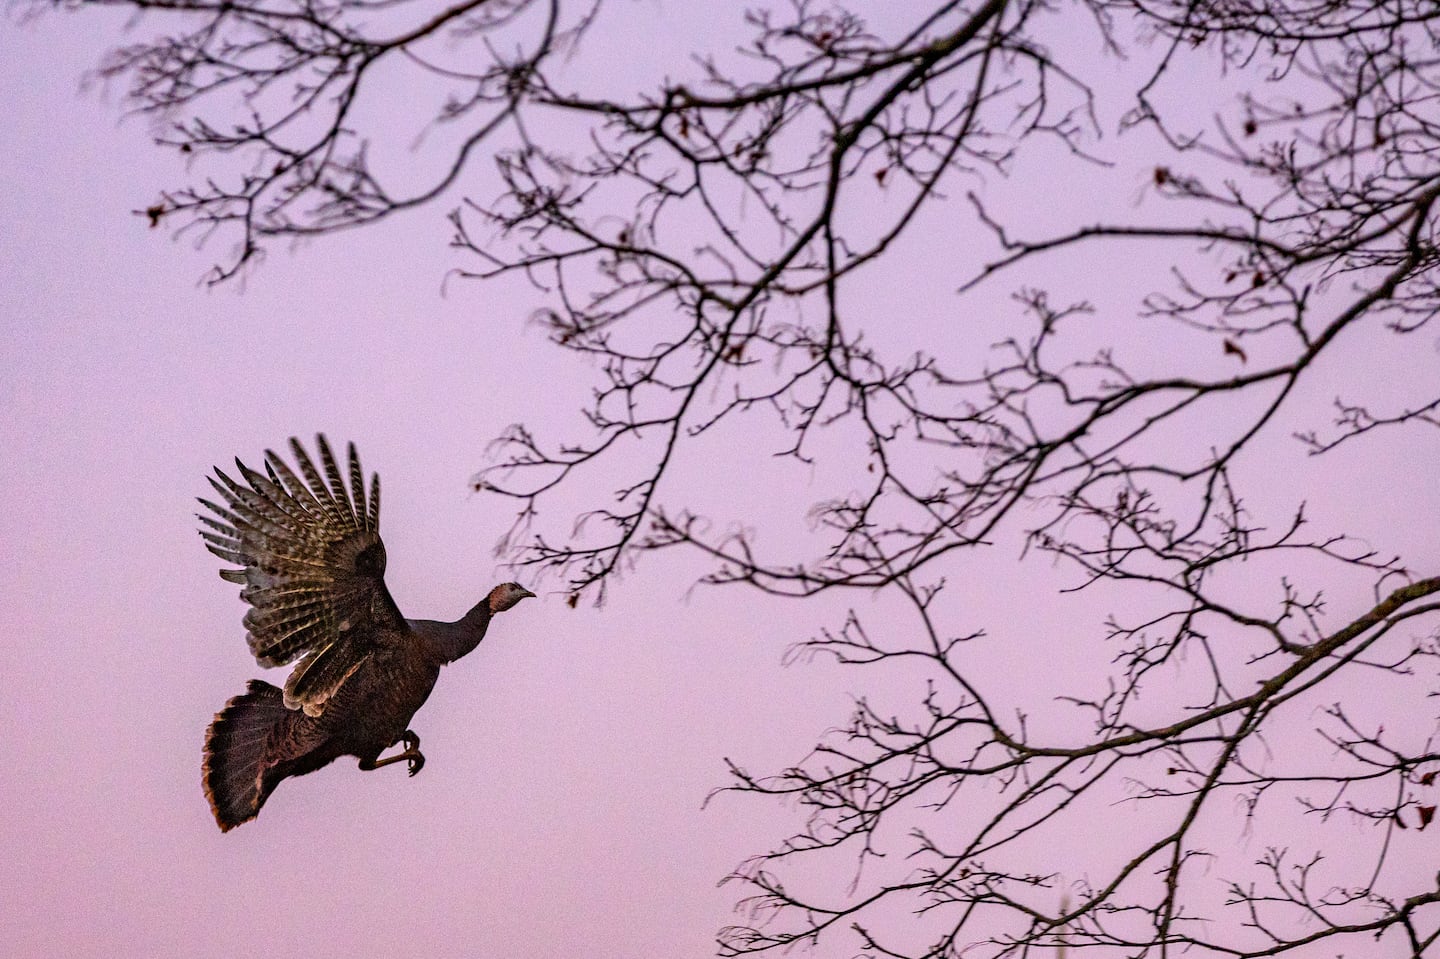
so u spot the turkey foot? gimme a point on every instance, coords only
(411, 755)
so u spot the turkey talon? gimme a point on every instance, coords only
(414, 759)
(411, 755)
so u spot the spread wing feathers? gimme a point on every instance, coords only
(324, 670)
(311, 563)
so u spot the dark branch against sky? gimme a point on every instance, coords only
(893, 257)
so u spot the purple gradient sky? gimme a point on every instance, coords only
(559, 813)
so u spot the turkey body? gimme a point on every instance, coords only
(312, 565)
(256, 742)
(372, 711)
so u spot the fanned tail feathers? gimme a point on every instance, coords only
(237, 754)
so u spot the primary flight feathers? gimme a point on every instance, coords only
(312, 566)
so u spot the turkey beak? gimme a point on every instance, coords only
(524, 593)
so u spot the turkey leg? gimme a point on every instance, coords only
(412, 755)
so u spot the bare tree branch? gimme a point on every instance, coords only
(713, 249)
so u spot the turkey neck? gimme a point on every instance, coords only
(447, 642)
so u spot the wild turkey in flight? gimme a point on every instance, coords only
(312, 566)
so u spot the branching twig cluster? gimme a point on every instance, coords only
(706, 246)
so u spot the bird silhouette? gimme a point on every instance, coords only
(311, 567)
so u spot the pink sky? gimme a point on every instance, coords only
(559, 811)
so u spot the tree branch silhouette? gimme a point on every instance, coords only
(712, 248)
